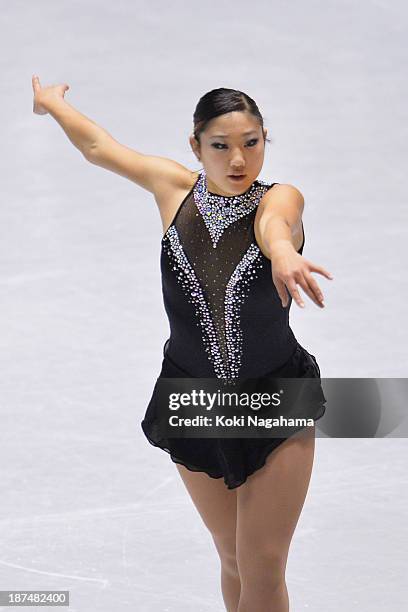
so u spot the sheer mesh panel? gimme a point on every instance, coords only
(213, 266)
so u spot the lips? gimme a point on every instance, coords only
(237, 177)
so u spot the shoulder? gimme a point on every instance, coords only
(176, 183)
(285, 200)
(283, 191)
(184, 178)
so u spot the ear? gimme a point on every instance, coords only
(265, 132)
(195, 146)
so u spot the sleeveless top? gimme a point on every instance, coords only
(225, 315)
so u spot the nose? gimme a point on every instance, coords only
(237, 163)
(237, 166)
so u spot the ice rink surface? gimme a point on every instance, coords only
(87, 504)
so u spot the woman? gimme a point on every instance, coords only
(231, 252)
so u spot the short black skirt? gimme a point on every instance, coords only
(233, 459)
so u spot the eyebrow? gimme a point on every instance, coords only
(226, 135)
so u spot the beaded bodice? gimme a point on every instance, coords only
(226, 318)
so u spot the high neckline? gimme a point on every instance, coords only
(211, 203)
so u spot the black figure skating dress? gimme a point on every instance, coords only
(226, 321)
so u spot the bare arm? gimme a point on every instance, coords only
(281, 218)
(153, 173)
(150, 172)
(81, 131)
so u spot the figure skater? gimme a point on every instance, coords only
(231, 260)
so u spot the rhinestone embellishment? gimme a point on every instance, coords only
(217, 303)
(218, 212)
(192, 288)
(237, 288)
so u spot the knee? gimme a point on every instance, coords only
(262, 568)
(226, 547)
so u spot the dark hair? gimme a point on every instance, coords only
(220, 101)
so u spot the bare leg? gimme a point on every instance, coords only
(217, 506)
(269, 506)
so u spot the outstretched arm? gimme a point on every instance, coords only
(153, 173)
(82, 131)
(280, 218)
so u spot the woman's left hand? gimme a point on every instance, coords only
(289, 268)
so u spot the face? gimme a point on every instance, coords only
(231, 144)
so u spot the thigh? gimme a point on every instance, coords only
(216, 504)
(269, 503)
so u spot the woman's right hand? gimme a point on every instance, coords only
(42, 94)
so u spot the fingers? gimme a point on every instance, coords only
(282, 292)
(312, 289)
(293, 290)
(309, 286)
(36, 83)
(303, 278)
(320, 270)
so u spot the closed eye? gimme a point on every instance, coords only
(221, 144)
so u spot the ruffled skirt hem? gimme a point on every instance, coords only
(233, 459)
